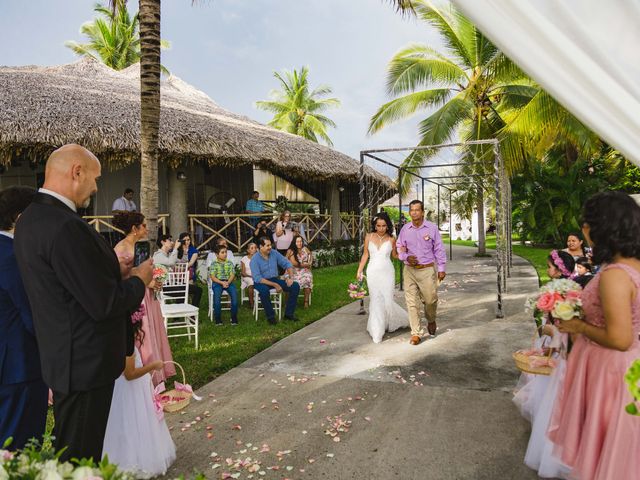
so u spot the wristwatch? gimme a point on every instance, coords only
(286, 276)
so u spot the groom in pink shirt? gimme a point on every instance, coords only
(422, 251)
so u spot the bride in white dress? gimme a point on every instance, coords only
(384, 313)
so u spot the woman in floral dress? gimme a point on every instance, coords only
(302, 260)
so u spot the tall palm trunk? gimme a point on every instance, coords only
(149, 111)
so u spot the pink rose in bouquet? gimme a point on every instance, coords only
(560, 298)
(547, 300)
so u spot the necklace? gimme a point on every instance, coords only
(381, 237)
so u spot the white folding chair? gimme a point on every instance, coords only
(276, 301)
(178, 313)
(225, 301)
(243, 296)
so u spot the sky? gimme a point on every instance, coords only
(230, 48)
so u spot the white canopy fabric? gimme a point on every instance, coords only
(585, 53)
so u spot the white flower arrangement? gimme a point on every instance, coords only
(35, 462)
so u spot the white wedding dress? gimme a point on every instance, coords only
(384, 313)
(136, 439)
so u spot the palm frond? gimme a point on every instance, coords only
(416, 66)
(405, 106)
(446, 25)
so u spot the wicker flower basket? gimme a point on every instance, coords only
(536, 364)
(174, 400)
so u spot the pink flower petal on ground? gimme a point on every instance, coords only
(311, 460)
(236, 427)
(323, 341)
(336, 439)
(368, 419)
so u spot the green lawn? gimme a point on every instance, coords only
(222, 348)
(536, 256)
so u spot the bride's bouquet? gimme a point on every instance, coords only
(558, 299)
(356, 290)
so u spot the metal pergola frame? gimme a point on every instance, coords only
(501, 185)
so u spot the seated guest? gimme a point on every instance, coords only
(187, 253)
(222, 274)
(167, 254)
(584, 269)
(300, 257)
(264, 268)
(220, 242)
(245, 271)
(23, 394)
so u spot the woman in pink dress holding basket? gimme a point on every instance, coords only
(592, 432)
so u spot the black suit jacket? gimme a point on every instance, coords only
(81, 306)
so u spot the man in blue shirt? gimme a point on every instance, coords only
(254, 206)
(264, 269)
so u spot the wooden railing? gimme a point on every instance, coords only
(103, 223)
(238, 231)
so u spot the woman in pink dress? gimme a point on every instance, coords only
(156, 344)
(591, 431)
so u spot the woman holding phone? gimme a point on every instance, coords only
(285, 231)
(156, 344)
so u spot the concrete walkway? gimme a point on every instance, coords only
(327, 403)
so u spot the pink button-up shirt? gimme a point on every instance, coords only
(424, 243)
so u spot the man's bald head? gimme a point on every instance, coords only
(72, 171)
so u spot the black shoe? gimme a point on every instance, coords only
(218, 322)
(272, 321)
(234, 321)
(291, 318)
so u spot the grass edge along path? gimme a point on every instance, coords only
(536, 256)
(225, 347)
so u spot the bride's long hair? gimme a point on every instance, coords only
(382, 216)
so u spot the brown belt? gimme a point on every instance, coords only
(420, 267)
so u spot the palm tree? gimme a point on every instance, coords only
(297, 109)
(150, 68)
(113, 38)
(465, 85)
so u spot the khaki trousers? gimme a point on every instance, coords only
(420, 288)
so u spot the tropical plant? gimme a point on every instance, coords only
(113, 38)
(297, 109)
(548, 196)
(465, 85)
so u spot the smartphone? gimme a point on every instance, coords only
(141, 252)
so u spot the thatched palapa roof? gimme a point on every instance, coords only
(87, 103)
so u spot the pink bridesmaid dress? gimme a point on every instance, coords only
(155, 344)
(591, 431)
